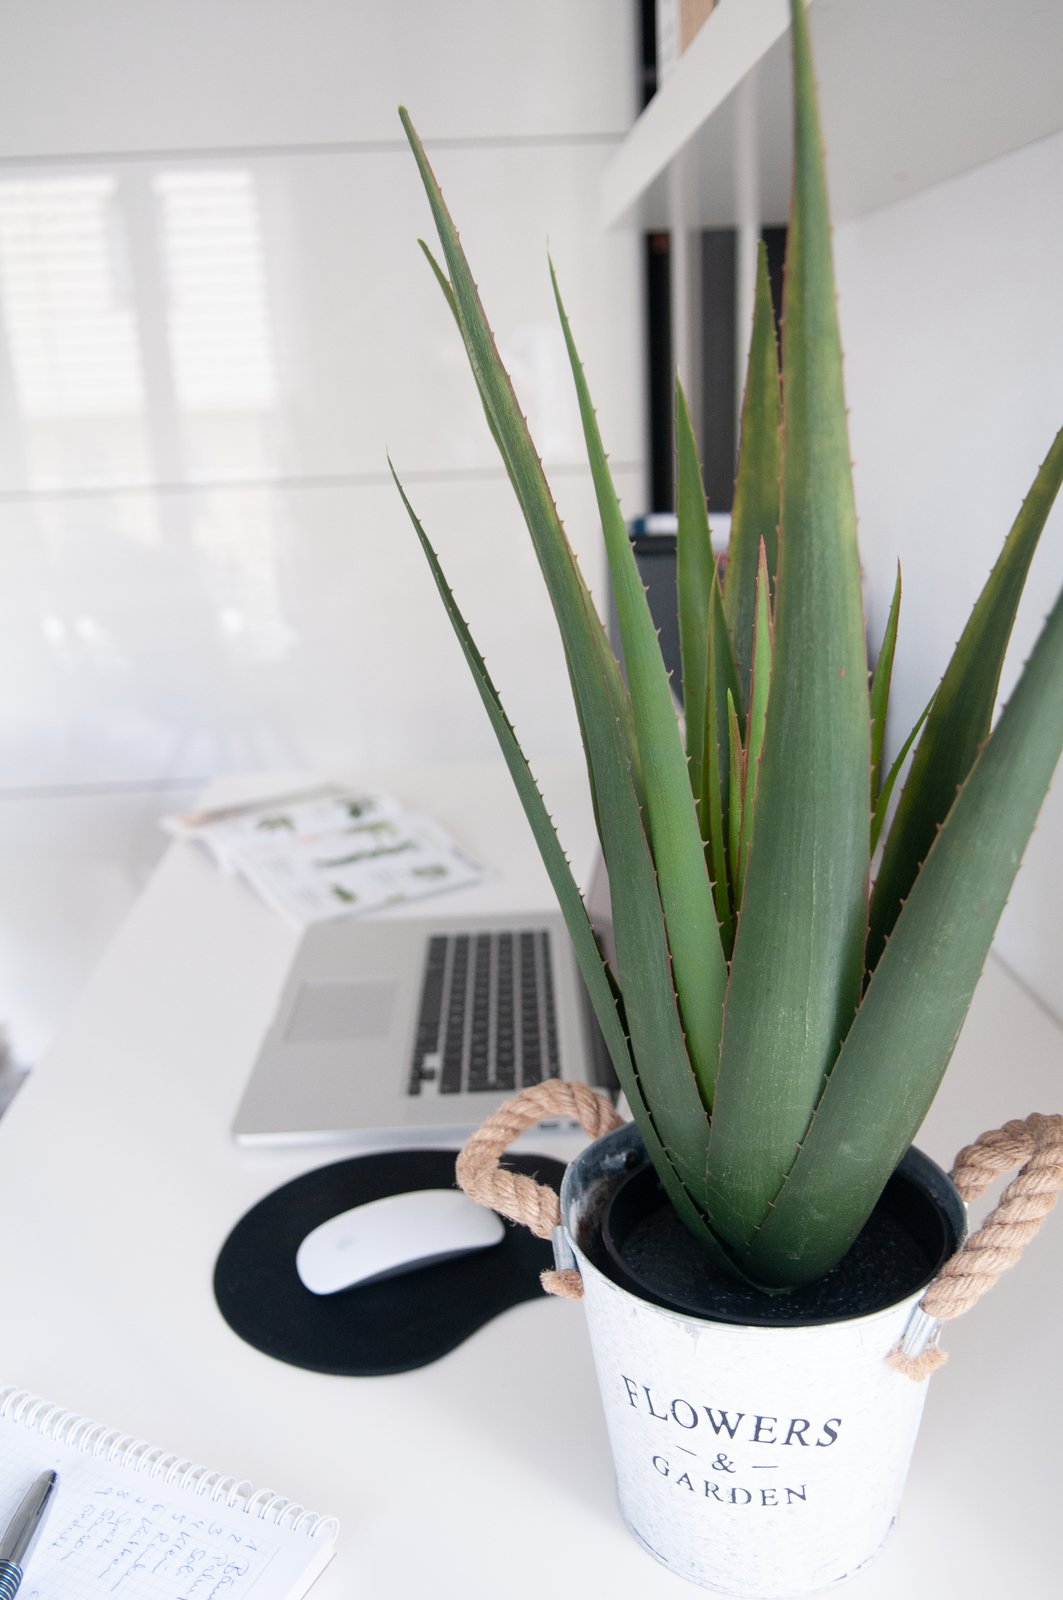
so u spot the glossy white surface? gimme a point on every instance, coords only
(194, 74)
(166, 637)
(249, 318)
(499, 1449)
(71, 866)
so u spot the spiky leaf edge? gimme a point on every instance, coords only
(880, 690)
(760, 684)
(906, 1029)
(878, 816)
(755, 514)
(695, 571)
(960, 716)
(580, 626)
(642, 954)
(698, 966)
(607, 1004)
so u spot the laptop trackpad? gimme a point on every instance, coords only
(340, 1009)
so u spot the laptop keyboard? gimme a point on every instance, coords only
(487, 1019)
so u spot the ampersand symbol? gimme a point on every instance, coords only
(722, 1464)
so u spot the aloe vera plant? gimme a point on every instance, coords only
(779, 1024)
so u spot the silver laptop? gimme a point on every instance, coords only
(420, 1026)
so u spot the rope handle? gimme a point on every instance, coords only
(1034, 1145)
(518, 1197)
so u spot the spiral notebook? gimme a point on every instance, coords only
(132, 1521)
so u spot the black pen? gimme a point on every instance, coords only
(21, 1534)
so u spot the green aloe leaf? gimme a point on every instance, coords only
(880, 688)
(755, 515)
(882, 799)
(448, 295)
(592, 966)
(760, 683)
(444, 284)
(963, 708)
(734, 799)
(698, 966)
(798, 957)
(695, 572)
(722, 690)
(897, 1050)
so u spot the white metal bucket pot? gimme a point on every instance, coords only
(765, 1462)
(758, 1461)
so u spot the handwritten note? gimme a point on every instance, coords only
(116, 1542)
(116, 1530)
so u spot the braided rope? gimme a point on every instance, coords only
(512, 1193)
(1035, 1145)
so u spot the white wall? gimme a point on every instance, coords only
(953, 326)
(214, 321)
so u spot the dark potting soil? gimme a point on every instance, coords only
(650, 1252)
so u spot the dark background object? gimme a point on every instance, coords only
(720, 360)
(655, 552)
(916, 1225)
(378, 1328)
(660, 370)
(719, 366)
(647, 51)
(775, 245)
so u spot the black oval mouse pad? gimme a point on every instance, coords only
(377, 1328)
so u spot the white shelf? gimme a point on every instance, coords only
(912, 92)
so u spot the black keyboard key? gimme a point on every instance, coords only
(487, 1014)
(450, 1079)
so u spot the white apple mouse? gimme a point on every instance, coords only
(398, 1233)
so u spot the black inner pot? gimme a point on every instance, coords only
(916, 1225)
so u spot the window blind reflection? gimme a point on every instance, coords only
(65, 294)
(220, 337)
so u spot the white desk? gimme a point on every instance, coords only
(489, 1471)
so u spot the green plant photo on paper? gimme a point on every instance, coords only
(779, 1015)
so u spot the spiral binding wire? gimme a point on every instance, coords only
(122, 1449)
